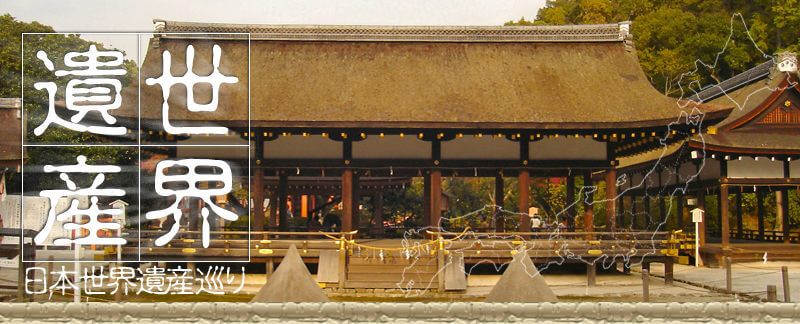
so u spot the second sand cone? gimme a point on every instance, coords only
(291, 282)
(521, 283)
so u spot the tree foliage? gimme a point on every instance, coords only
(13, 44)
(673, 37)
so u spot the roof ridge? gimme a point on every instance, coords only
(615, 32)
(754, 74)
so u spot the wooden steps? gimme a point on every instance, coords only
(391, 273)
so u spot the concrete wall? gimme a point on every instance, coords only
(399, 312)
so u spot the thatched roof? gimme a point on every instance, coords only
(428, 77)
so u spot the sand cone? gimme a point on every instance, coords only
(521, 283)
(291, 282)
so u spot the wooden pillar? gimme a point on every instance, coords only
(662, 208)
(648, 219)
(739, 221)
(283, 209)
(668, 271)
(258, 200)
(273, 209)
(194, 211)
(377, 214)
(347, 200)
(436, 199)
(719, 212)
(679, 211)
(356, 196)
(611, 195)
(269, 267)
(701, 231)
(588, 217)
(426, 200)
(304, 206)
(634, 217)
(591, 274)
(681, 198)
(499, 192)
(784, 215)
(723, 215)
(785, 221)
(622, 212)
(662, 215)
(760, 212)
(258, 185)
(570, 203)
(524, 201)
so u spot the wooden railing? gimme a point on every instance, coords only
(28, 253)
(768, 236)
(268, 245)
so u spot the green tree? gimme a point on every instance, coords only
(672, 37)
(36, 103)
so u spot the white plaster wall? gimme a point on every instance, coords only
(794, 169)
(563, 148)
(486, 147)
(751, 168)
(302, 147)
(391, 147)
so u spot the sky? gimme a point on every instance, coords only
(86, 16)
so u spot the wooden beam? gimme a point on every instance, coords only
(562, 165)
(723, 215)
(499, 193)
(611, 195)
(773, 182)
(524, 201)
(347, 152)
(436, 199)
(347, 200)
